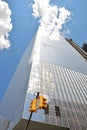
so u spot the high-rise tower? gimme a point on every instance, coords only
(56, 69)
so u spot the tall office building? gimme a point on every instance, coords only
(56, 69)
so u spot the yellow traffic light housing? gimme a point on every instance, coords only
(33, 106)
(42, 102)
(38, 103)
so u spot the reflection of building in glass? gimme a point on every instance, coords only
(56, 69)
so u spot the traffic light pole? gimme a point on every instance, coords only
(31, 114)
(29, 120)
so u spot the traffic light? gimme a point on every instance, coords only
(42, 102)
(38, 103)
(33, 106)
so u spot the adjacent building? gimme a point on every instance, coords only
(56, 69)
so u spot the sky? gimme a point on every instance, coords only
(19, 21)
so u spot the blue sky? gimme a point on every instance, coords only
(25, 26)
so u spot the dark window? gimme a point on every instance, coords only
(47, 109)
(57, 111)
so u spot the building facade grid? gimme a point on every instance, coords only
(65, 89)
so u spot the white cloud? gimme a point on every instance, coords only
(66, 31)
(39, 7)
(5, 25)
(51, 17)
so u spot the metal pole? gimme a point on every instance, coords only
(31, 114)
(37, 95)
(29, 120)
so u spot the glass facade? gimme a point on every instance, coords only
(66, 93)
(59, 73)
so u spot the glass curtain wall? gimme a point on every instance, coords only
(66, 93)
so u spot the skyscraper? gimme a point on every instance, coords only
(56, 69)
